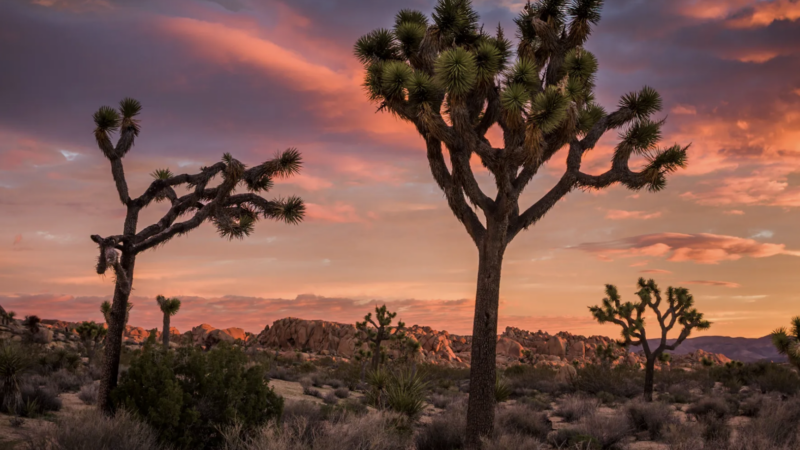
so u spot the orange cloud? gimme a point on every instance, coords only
(656, 271)
(762, 14)
(685, 110)
(616, 214)
(714, 283)
(702, 248)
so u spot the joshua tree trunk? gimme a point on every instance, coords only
(482, 377)
(165, 333)
(116, 327)
(376, 355)
(649, 371)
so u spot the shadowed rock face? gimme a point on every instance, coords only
(319, 338)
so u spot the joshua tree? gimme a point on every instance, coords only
(234, 214)
(454, 81)
(788, 342)
(32, 324)
(105, 308)
(91, 334)
(6, 317)
(679, 309)
(380, 331)
(170, 307)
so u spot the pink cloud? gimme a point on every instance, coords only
(656, 271)
(616, 214)
(702, 248)
(714, 283)
(684, 110)
(339, 212)
(762, 14)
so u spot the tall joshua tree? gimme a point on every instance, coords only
(454, 81)
(105, 309)
(170, 307)
(679, 310)
(788, 342)
(377, 331)
(234, 214)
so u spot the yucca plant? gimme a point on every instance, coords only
(454, 82)
(170, 307)
(14, 362)
(377, 380)
(678, 309)
(502, 390)
(233, 214)
(787, 342)
(406, 392)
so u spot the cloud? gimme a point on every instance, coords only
(764, 13)
(339, 212)
(702, 248)
(616, 214)
(655, 271)
(684, 110)
(714, 283)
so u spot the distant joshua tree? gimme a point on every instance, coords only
(788, 342)
(679, 310)
(91, 335)
(234, 214)
(375, 333)
(170, 307)
(454, 81)
(32, 324)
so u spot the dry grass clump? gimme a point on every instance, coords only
(445, 432)
(652, 417)
(373, 431)
(342, 392)
(606, 431)
(514, 442)
(88, 394)
(521, 420)
(92, 430)
(576, 407)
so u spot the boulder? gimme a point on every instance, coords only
(509, 348)
(576, 351)
(557, 347)
(567, 374)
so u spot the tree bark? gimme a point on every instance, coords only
(482, 375)
(376, 355)
(649, 371)
(116, 326)
(165, 333)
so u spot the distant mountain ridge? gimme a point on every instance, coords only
(735, 348)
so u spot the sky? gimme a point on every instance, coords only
(252, 77)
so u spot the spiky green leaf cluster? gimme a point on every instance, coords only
(549, 109)
(456, 21)
(396, 75)
(663, 162)
(525, 73)
(643, 103)
(456, 71)
(514, 98)
(421, 89)
(235, 223)
(107, 119)
(410, 16)
(488, 61)
(161, 174)
(168, 306)
(642, 135)
(379, 45)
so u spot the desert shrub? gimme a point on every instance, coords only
(405, 393)
(772, 424)
(751, 406)
(513, 442)
(606, 398)
(335, 384)
(537, 401)
(91, 429)
(88, 394)
(683, 436)
(778, 379)
(708, 407)
(55, 360)
(521, 420)
(37, 400)
(444, 432)
(378, 380)
(679, 393)
(572, 438)
(715, 429)
(606, 431)
(342, 392)
(575, 407)
(188, 395)
(523, 379)
(443, 376)
(306, 367)
(502, 390)
(620, 381)
(65, 381)
(440, 401)
(283, 373)
(348, 374)
(649, 416)
(768, 376)
(330, 398)
(14, 364)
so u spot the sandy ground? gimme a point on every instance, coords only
(11, 437)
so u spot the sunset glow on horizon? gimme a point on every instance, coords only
(254, 77)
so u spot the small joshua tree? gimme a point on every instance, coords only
(91, 335)
(32, 324)
(234, 214)
(679, 310)
(375, 333)
(788, 342)
(454, 81)
(170, 307)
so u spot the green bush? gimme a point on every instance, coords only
(405, 393)
(189, 395)
(620, 381)
(652, 417)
